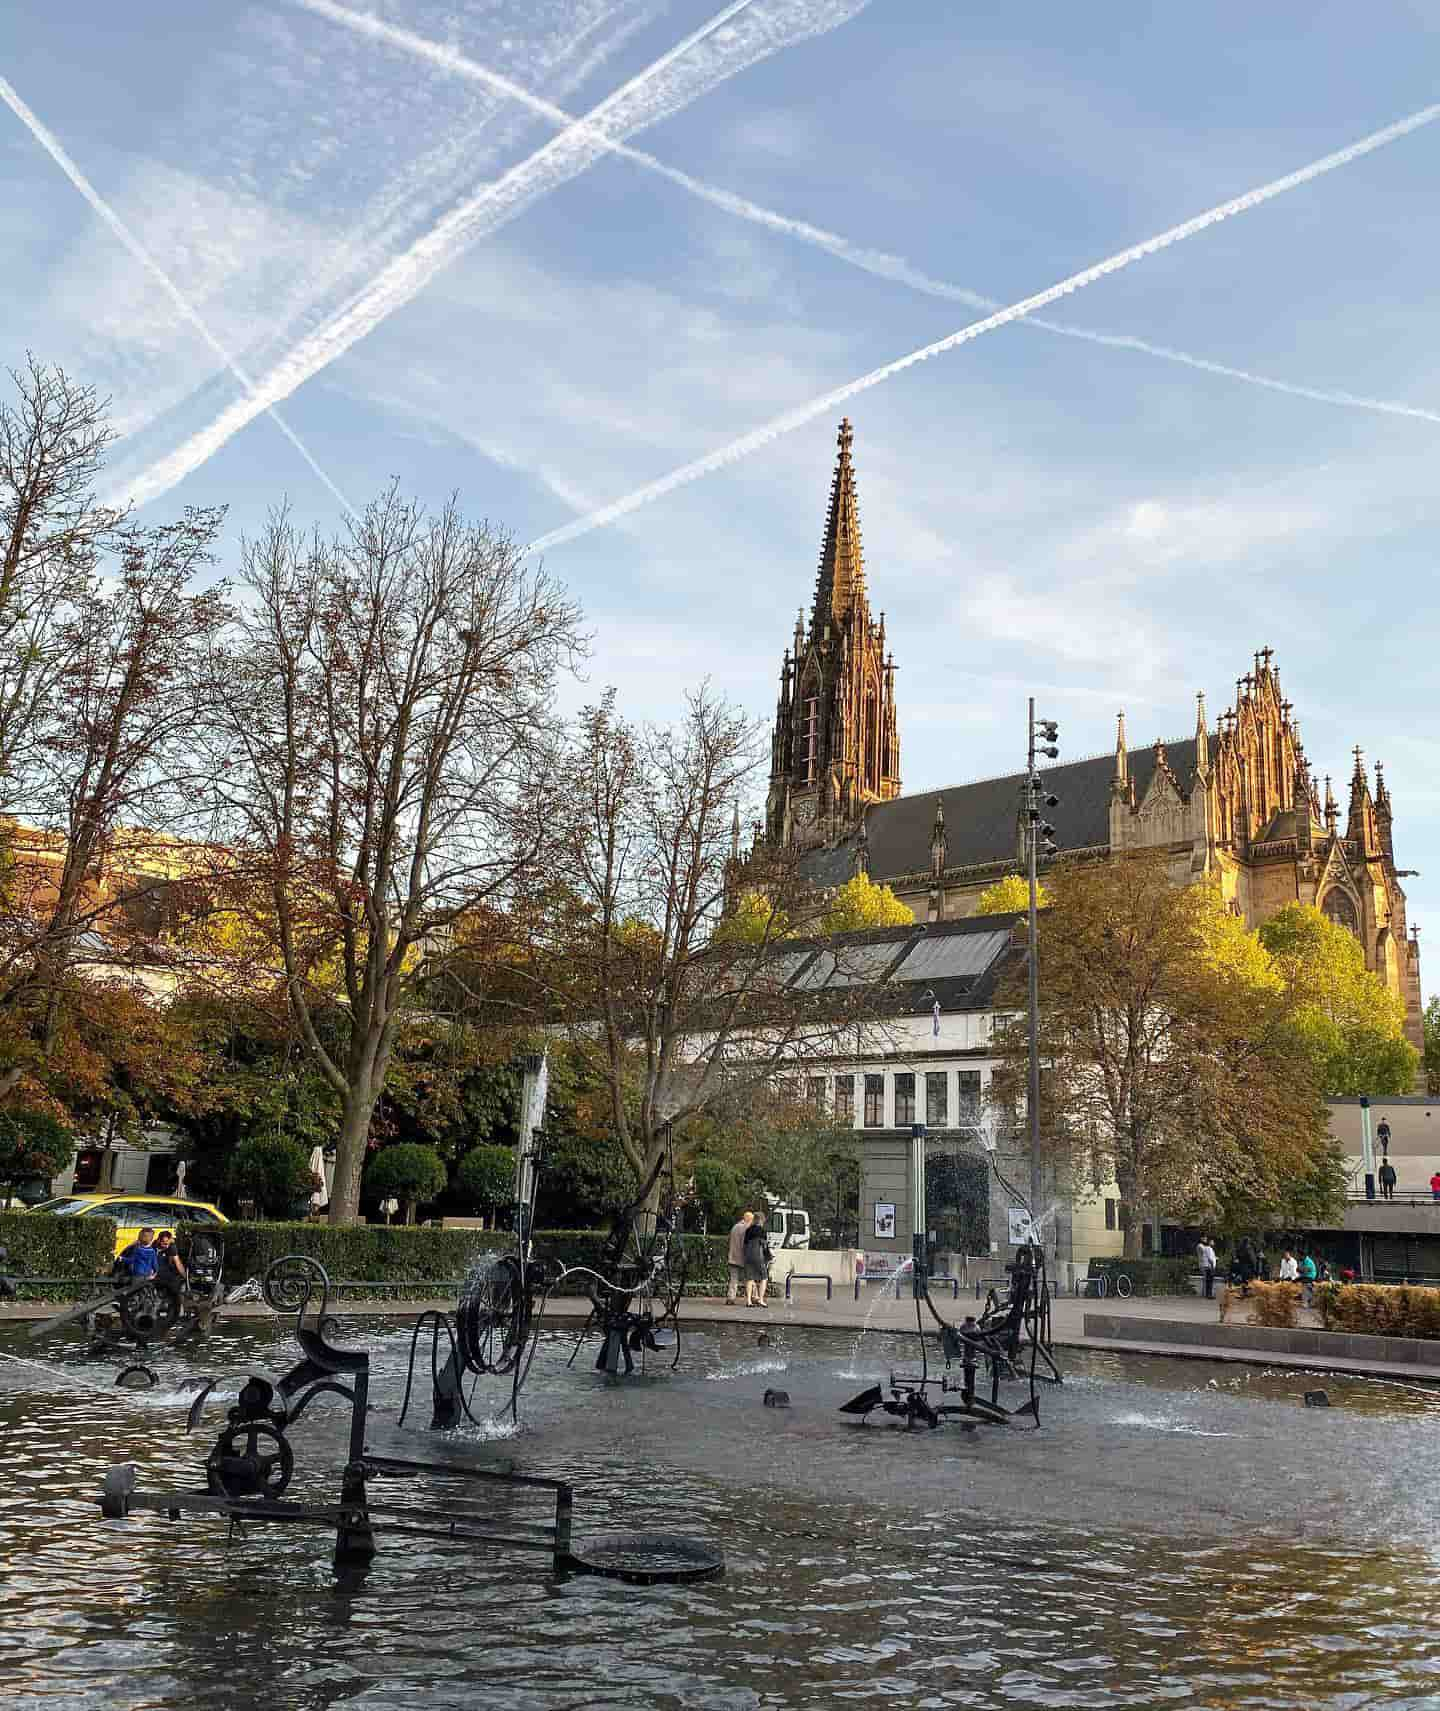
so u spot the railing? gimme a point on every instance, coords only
(898, 1276)
(810, 1277)
(1396, 1197)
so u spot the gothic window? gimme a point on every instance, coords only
(1338, 908)
(810, 738)
(904, 1100)
(874, 1101)
(937, 1099)
(871, 753)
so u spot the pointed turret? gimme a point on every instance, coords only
(735, 835)
(1360, 825)
(1332, 812)
(1383, 823)
(840, 581)
(938, 844)
(1120, 779)
(1202, 737)
(1304, 808)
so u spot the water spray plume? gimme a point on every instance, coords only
(53, 147)
(828, 401)
(879, 264)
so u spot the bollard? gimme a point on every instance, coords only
(813, 1277)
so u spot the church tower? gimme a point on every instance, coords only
(836, 746)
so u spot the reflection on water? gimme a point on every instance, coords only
(891, 1576)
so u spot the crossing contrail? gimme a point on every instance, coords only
(877, 262)
(740, 34)
(803, 413)
(54, 148)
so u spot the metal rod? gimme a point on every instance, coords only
(1032, 836)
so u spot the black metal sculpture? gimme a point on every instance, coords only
(133, 1316)
(251, 1464)
(998, 1338)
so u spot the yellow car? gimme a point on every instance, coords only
(133, 1212)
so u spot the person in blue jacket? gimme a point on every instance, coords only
(139, 1260)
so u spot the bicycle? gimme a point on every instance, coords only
(1122, 1285)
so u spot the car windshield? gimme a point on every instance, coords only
(66, 1207)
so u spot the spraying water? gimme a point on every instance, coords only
(880, 1288)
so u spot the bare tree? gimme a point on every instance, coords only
(384, 766)
(676, 1015)
(101, 629)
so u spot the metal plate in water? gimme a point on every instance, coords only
(647, 1559)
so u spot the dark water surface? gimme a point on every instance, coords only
(1177, 1533)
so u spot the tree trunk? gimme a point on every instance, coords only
(350, 1161)
(1134, 1233)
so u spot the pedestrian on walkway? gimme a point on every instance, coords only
(757, 1264)
(1308, 1270)
(1435, 1185)
(1387, 1180)
(1206, 1255)
(736, 1253)
(1382, 1134)
(1289, 1268)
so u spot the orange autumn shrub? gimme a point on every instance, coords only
(1380, 1309)
(1274, 1303)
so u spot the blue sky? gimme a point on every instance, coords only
(376, 214)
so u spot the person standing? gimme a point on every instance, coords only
(1205, 1252)
(736, 1253)
(1435, 1185)
(1387, 1180)
(757, 1264)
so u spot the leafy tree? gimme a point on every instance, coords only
(1168, 1062)
(861, 903)
(1432, 1046)
(273, 1171)
(32, 1144)
(754, 920)
(486, 1177)
(410, 1173)
(1009, 894)
(382, 746)
(1347, 1021)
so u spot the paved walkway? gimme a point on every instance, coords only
(878, 1310)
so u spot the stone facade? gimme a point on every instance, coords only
(1239, 804)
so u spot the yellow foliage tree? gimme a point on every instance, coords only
(861, 903)
(1007, 895)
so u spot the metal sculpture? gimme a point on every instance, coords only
(133, 1316)
(252, 1462)
(998, 1338)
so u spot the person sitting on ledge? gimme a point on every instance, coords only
(170, 1268)
(139, 1261)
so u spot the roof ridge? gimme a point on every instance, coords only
(1049, 766)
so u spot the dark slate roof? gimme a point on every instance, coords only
(980, 821)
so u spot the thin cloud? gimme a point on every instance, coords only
(736, 37)
(53, 147)
(880, 263)
(799, 416)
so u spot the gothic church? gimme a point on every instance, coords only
(1239, 804)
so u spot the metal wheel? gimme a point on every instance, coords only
(148, 1313)
(239, 1465)
(493, 1317)
(1123, 1285)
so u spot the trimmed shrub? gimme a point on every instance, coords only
(486, 1177)
(1380, 1309)
(272, 1170)
(45, 1246)
(413, 1174)
(1154, 1276)
(1274, 1303)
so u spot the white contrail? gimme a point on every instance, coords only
(803, 413)
(878, 262)
(646, 98)
(55, 149)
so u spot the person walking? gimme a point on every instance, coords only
(757, 1264)
(1387, 1180)
(1382, 1134)
(1435, 1185)
(736, 1253)
(1308, 1270)
(1205, 1252)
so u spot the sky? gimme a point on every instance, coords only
(547, 253)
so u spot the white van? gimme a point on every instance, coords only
(787, 1227)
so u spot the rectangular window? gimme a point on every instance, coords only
(815, 1090)
(967, 1099)
(874, 1101)
(1111, 1207)
(845, 1097)
(904, 1100)
(937, 1099)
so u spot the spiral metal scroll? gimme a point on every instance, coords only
(292, 1280)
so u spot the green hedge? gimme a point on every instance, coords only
(1154, 1276)
(45, 1246)
(377, 1253)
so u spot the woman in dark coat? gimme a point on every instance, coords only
(757, 1263)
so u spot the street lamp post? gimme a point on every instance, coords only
(1036, 830)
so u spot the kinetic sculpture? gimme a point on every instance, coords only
(251, 1464)
(634, 1293)
(997, 1337)
(138, 1315)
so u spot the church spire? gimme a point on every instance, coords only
(840, 581)
(1121, 778)
(1202, 737)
